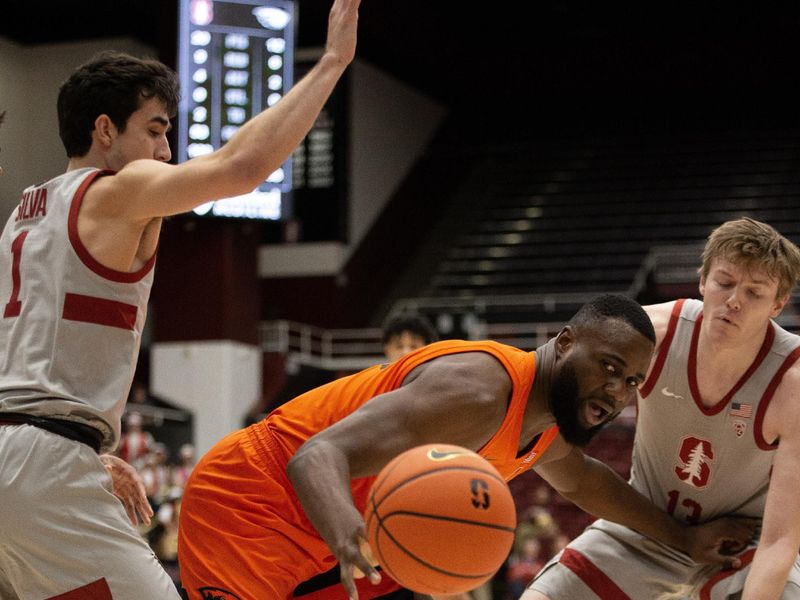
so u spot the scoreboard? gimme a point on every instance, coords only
(235, 58)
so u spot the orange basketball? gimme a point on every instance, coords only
(440, 519)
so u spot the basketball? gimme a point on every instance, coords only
(440, 519)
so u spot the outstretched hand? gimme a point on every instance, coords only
(129, 488)
(342, 27)
(718, 542)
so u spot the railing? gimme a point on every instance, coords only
(158, 414)
(352, 349)
(480, 305)
(333, 349)
(675, 263)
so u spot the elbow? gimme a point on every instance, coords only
(243, 172)
(312, 456)
(248, 180)
(296, 462)
(580, 489)
(572, 494)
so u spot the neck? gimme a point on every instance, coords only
(727, 354)
(90, 159)
(537, 413)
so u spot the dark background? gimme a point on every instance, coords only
(513, 70)
(557, 64)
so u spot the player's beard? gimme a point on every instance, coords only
(566, 406)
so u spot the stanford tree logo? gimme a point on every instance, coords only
(694, 457)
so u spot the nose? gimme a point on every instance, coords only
(163, 152)
(620, 393)
(732, 301)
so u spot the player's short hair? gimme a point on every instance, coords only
(415, 324)
(752, 243)
(614, 306)
(114, 84)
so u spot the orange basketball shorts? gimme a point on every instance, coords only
(243, 534)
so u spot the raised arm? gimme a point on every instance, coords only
(780, 533)
(598, 490)
(459, 399)
(145, 189)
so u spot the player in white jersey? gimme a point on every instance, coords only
(127, 485)
(76, 266)
(718, 433)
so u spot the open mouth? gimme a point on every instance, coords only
(596, 413)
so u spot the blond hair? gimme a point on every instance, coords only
(751, 243)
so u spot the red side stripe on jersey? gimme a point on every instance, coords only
(89, 309)
(767, 398)
(705, 592)
(97, 590)
(663, 350)
(81, 250)
(593, 577)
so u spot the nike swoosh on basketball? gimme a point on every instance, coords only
(435, 454)
(669, 394)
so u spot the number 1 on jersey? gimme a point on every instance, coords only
(14, 305)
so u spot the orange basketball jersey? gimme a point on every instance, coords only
(290, 425)
(293, 423)
(243, 531)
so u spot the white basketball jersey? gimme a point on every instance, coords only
(698, 463)
(70, 328)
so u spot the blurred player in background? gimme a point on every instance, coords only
(405, 333)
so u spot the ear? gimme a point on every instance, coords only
(702, 287)
(565, 340)
(778, 306)
(104, 130)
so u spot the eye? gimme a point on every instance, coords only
(610, 369)
(754, 294)
(633, 382)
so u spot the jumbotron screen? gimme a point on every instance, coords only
(235, 58)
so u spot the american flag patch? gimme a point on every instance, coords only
(741, 410)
